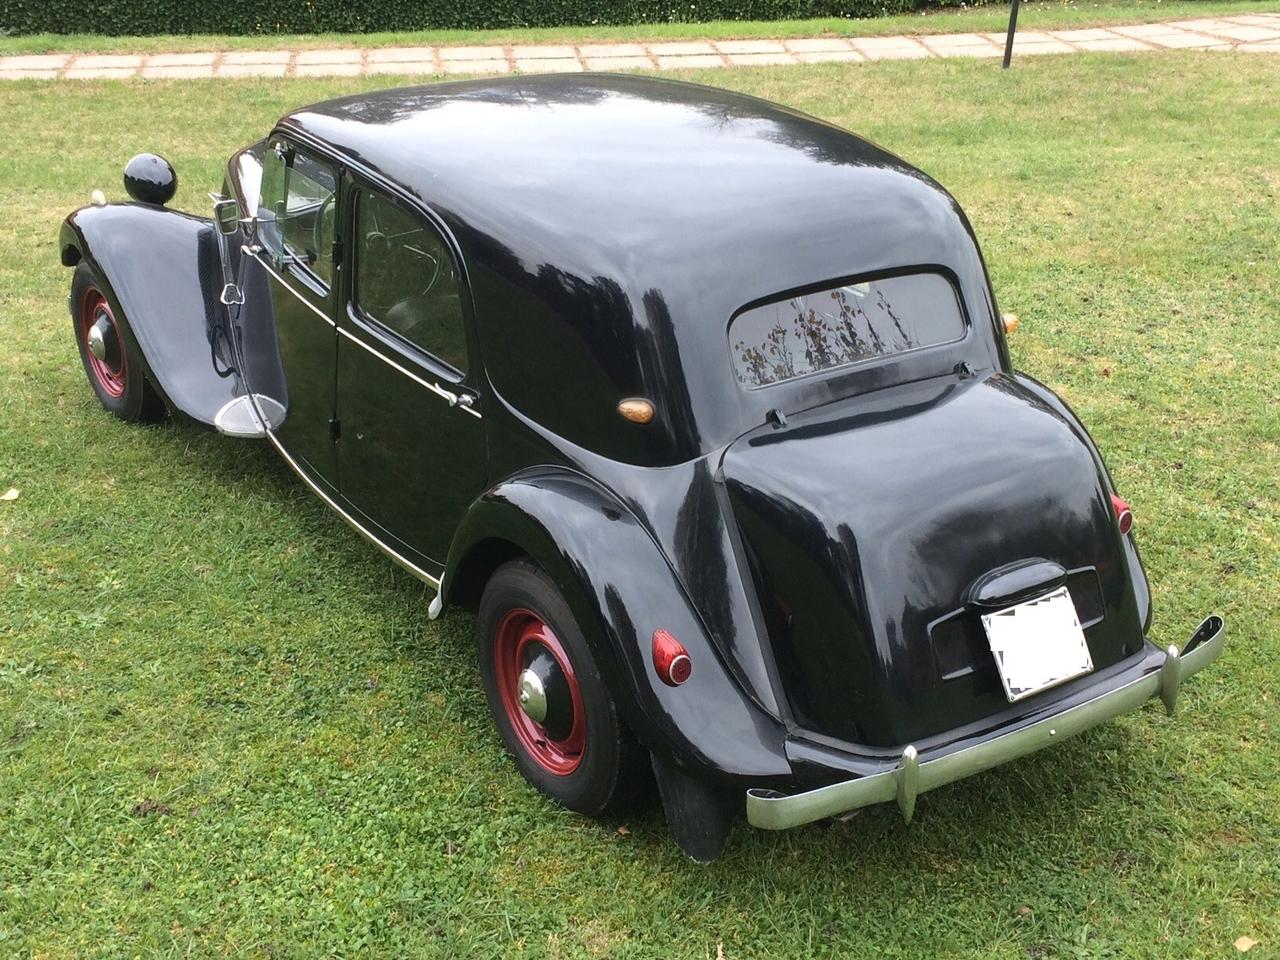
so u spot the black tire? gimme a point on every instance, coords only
(119, 380)
(612, 771)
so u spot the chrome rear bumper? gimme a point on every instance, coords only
(771, 810)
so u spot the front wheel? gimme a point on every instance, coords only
(111, 360)
(547, 697)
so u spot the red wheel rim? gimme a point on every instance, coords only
(521, 636)
(94, 308)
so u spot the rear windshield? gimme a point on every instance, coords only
(843, 325)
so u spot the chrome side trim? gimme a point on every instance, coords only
(771, 810)
(409, 565)
(461, 401)
(254, 252)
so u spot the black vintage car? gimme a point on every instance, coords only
(702, 405)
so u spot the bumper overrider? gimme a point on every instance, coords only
(914, 774)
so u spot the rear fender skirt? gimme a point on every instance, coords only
(162, 270)
(621, 589)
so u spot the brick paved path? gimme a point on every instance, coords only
(1254, 32)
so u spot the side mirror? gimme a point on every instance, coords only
(227, 215)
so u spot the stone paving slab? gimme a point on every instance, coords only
(52, 61)
(422, 68)
(544, 53)
(248, 70)
(257, 56)
(748, 59)
(1249, 33)
(176, 72)
(1187, 41)
(476, 66)
(818, 45)
(550, 65)
(613, 50)
(1114, 45)
(891, 48)
(830, 56)
(328, 70)
(328, 56)
(750, 46)
(681, 48)
(692, 61)
(28, 74)
(181, 59)
(401, 55)
(618, 63)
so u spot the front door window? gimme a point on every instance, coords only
(297, 212)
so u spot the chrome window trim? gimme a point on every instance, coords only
(355, 524)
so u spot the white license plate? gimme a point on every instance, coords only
(1037, 643)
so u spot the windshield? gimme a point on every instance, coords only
(844, 325)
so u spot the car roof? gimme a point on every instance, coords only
(639, 214)
(599, 153)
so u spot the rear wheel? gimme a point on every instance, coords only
(111, 361)
(548, 699)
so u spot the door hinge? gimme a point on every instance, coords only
(337, 253)
(335, 428)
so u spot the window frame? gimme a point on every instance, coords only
(439, 367)
(852, 369)
(283, 258)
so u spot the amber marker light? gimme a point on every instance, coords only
(1124, 515)
(636, 409)
(670, 659)
(1011, 322)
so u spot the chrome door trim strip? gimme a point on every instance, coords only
(461, 401)
(254, 251)
(315, 488)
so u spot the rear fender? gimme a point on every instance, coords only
(621, 589)
(1141, 588)
(162, 270)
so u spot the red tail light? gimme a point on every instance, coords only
(670, 659)
(1124, 516)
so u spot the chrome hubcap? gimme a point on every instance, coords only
(532, 696)
(97, 338)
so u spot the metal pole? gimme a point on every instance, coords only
(1013, 25)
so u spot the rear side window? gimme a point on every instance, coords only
(406, 281)
(844, 325)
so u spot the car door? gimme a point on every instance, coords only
(295, 234)
(411, 453)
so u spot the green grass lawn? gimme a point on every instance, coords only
(227, 727)
(1033, 15)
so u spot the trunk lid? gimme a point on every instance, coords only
(869, 524)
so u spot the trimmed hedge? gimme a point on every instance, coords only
(142, 17)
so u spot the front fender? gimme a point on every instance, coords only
(162, 271)
(621, 589)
